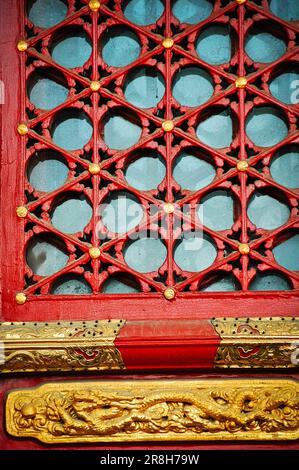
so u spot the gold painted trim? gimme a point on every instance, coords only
(156, 410)
(60, 346)
(270, 342)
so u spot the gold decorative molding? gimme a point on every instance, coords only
(156, 410)
(60, 346)
(269, 342)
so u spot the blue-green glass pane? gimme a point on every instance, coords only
(192, 11)
(266, 127)
(72, 51)
(193, 173)
(47, 171)
(144, 87)
(145, 255)
(216, 210)
(118, 286)
(269, 282)
(145, 173)
(214, 45)
(71, 284)
(72, 215)
(71, 130)
(267, 212)
(264, 47)
(120, 47)
(216, 131)
(47, 94)
(225, 284)
(285, 86)
(46, 13)
(144, 12)
(284, 167)
(192, 86)
(286, 9)
(287, 253)
(45, 256)
(120, 134)
(122, 213)
(195, 253)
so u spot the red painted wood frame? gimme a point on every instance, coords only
(149, 304)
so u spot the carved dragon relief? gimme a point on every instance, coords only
(156, 410)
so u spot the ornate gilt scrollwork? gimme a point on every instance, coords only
(156, 410)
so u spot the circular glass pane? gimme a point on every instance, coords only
(47, 171)
(72, 215)
(267, 212)
(72, 50)
(46, 13)
(214, 45)
(192, 11)
(143, 12)
(287, 9)
(46, 93)
(285, 87)
(71, 129)
(122, 213)
(284, 167)
(71, 284)
(264, 47)
(216, 210)
(216, 131)
(192, 86)
(145, 255)
(120, 47)
(145, 173)
(144, 87)
(46, 256)
(195, 253)
(266, 127)
(120, 133)
(225, 284)
(287, 253)
(122, 285)
(264, 282)
(193, 173)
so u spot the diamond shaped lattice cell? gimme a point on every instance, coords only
(143, 12)
(145, 255)
(46, 13)
(264, 47)
(287, 253)
(267, 212)
(284, 167)
(46, 254)
(72, 49)
(195, 252)
(266, 126)
(192, 11)
(121, 130)
(192, 86)
(287, 9)
(121, 284)
(216, 130)
(71, 129)
(120, 47)
(121, 212)
(71, 214)
(216, 210)
(47, 170)
(269, 282)
(147, 172)
(71, 284)
(192, 171)
(285, 87)
(144, 87)
(46, 89)
(214, 45)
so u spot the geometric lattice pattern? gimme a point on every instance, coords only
(96, 171)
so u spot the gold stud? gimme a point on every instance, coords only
(22, 46)
(167, 43)
(244, 249)
(21, 298)
(240, 2)
(167, 125)
(22, 211)
(94, 252)
(95, 86)
(23, 129)
(94, 168)
(94, 5)
(241, 82)
(169, 293)
(168, 208)
(242, 165)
